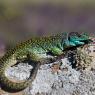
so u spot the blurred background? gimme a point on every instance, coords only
(24, 19)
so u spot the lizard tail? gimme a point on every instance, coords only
(11, 86)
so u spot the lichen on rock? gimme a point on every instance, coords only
(83, 59)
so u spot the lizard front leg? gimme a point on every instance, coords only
(56, 51)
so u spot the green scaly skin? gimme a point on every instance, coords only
(37, 49)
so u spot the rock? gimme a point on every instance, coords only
(20, 72)
(66, 81)
(54, 83)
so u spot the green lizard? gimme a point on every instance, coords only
(37, 49)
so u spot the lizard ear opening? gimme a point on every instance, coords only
(64, 38)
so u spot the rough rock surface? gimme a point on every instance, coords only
(65, 81)
(19, 72)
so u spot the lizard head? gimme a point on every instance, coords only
(76, 39)
(79, 39)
